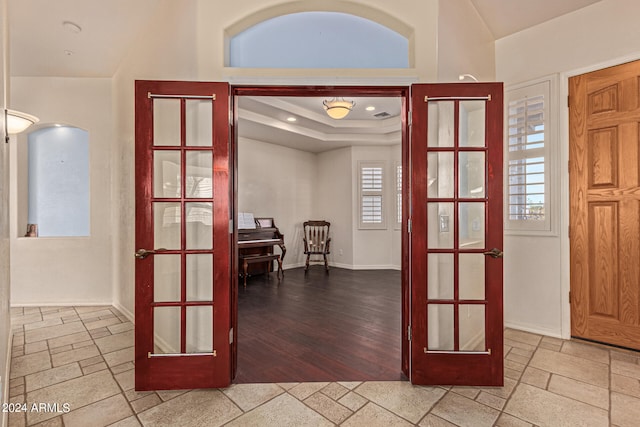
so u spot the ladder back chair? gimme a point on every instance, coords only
(316, 240)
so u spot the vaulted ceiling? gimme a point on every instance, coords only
(89, 38)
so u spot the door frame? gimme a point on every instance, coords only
(565, 243)
(402, 92)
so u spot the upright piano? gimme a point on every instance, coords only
(255, 245)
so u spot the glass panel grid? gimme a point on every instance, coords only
(458, 325)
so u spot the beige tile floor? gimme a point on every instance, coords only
(83, 357)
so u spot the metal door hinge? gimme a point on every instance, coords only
(409, 225)
(569, 297)
(409, 332)
(230, 226)
(568, 101)
(410, 118)
(231, 336)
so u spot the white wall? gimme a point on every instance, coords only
(335, 202)
(58, 270)
(278, 182)
(603, 34)
(465, 44)
(165, 51)
(5, 317)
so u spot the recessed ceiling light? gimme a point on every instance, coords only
(71, 27)
(370, 108)
(291, 119)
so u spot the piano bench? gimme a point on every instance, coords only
(250, 259)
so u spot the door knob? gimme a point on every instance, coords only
(494, 253)
(143, 253)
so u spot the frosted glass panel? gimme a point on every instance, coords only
(166, 225)
(166, 122)
(471, 276)
(440, 124)
(199, 225)
(166, 277)
(440, 225)
(199, 277)
(199, 122)
(199, 173)
(200, 329)
(440, 175)
(471, 225)
(472, 124)
(166, 173)
(440, 276)
(166, 330)
(472, 328)
(440, 327)
(471, 175)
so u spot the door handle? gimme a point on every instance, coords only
(494, 253)
(143, 253)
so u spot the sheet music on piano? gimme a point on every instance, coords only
(246, 221)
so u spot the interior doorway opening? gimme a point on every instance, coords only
(316, 326)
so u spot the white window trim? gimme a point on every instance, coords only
(361, 193)
(397, 194)
(548, 86)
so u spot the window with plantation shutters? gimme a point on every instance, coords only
(371, 195)
(527, 158)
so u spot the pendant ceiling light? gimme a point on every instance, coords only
(338, 108)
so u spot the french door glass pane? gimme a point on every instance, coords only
(471, 276)
(166, 330)
(166, 277)
(199, 126)
(441, 331)
(472, 124)
(199, 277)
(440, 225)
(199, 329)
(166, 225)
(471, 174)
(471, 220)
(199, 225)
(166, 173)
(440, 276)
(440, 175)
(472, 327)
(199, 166)
(441, 124)
(166, 122)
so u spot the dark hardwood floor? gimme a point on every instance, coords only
(340, 326)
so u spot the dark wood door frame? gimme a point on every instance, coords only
(401, 92)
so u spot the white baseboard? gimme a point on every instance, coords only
(128, 314)
(533, 329)
(63, 304)
(5, 379)
(345, 266)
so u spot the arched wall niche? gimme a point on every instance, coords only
(343, 7)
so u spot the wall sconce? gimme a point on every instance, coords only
(461, 77)
(16, 122)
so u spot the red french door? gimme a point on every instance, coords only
(182, 237)
(456, 234)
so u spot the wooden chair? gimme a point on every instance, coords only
(316, 240)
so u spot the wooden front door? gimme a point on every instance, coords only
(604, 175)
(182, 327)
(456, 234)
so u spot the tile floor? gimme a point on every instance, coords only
(83, 357)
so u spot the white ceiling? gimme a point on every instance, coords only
(41, 45)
